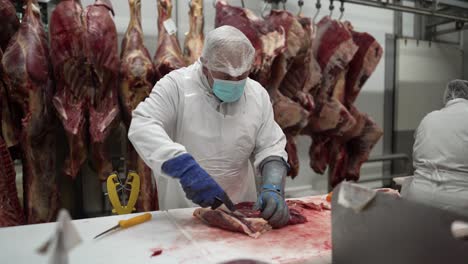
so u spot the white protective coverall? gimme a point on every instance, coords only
(183, 115)
(440, 158)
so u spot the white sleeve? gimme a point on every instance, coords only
(270, 140)
(153, 120)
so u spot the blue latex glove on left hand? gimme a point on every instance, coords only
(198, 185)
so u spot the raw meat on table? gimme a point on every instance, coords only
(26, 62)
(253, 227)
(252, 224)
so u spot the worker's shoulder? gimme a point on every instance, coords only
(257, 90)
(172, 79)
(434, 116)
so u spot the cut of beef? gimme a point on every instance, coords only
(363, 64)
(137, 76)
(252, 224)
(359, 148)
(253, 227)
(26, 62)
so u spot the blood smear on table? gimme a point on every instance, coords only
(156, 252)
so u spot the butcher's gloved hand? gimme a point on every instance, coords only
(273, 206)
(197, 184)
(271, 199)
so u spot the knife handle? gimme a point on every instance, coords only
(135, 220)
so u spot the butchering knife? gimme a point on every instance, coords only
(225, 201)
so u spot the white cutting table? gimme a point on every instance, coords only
(182, 238)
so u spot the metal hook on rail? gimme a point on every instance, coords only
(318, 5)
(284, 4)
(242, 3)
(331, 7)
(300, 3)
(341, 10)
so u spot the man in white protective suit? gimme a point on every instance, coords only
(440, 153)
(202, 124)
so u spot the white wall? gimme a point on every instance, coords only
(375, 21)
(423, 71)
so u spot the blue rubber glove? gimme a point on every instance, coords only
(198, 185)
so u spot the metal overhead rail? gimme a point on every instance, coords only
(408, 9)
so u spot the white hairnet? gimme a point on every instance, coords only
(456, 89)
(228, 50)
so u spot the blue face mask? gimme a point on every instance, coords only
(228, 91)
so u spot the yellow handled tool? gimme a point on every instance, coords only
(128, 223)
(113, 185)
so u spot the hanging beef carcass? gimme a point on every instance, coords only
(11, 212)
(26, 62)
(168, 56)
(350, 142)
(9, 24)
(137, 77)
(194, 39)
(72, 75)
(346, 159)
(333, 48)
(102, 52)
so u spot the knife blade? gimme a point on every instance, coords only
(225, 202)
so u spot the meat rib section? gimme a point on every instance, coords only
(195, 38)
(10, 23)
(26, 62)
(102, 47)
(137, 75)
(11, 213)
(72, 75)
(168, 56)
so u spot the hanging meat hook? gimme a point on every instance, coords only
(341, 10)
(318, 5)
(300, 3)
(331, 7)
